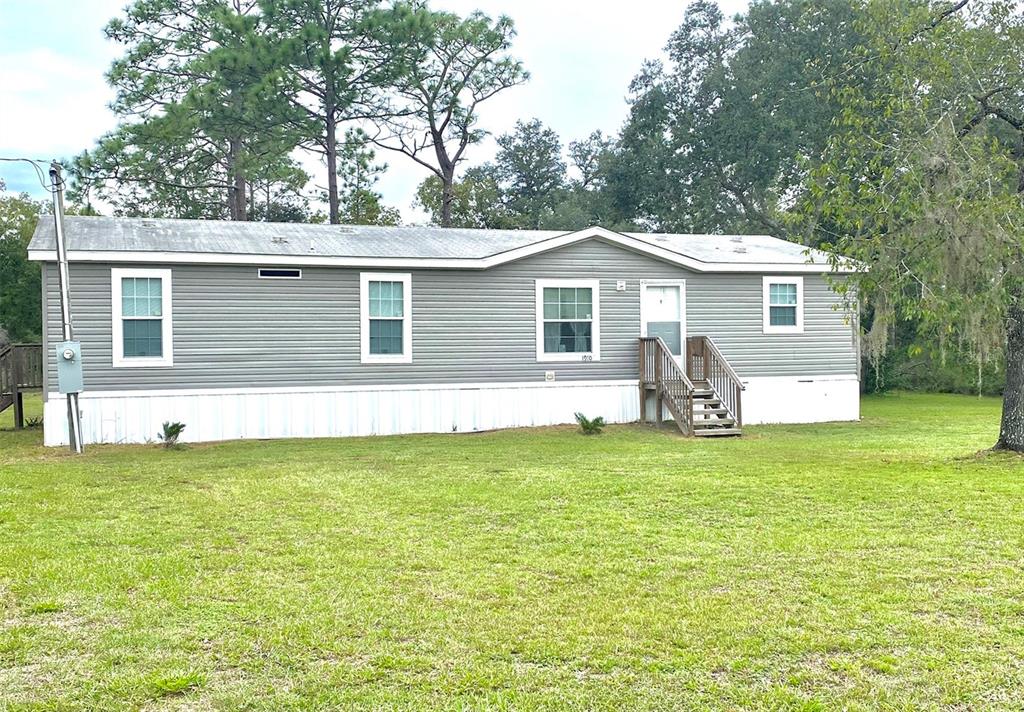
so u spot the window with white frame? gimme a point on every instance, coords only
(141, 310)
(783, 305)
(568, 324)
(385, 317)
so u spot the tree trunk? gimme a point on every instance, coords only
(447, 173)
(236, 193)
(331, 156)
(447, 197)
(1011, 431)
(241, 211)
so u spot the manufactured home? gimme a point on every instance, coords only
(263, 330)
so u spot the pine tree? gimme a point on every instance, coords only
(199, 90)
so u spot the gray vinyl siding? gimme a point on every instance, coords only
(233, 330)
(46, 296)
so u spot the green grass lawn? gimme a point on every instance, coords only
(861, 566)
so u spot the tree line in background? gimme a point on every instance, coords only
(216, 97)
(889, 131)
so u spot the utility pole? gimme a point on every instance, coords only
(57, 189)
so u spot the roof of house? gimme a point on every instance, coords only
(216, 241)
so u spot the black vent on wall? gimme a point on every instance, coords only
(279, 273)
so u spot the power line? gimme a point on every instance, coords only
(35, 163)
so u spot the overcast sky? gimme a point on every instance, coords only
(581, 56)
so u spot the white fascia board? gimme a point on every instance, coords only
(518, 253)
(211, 258)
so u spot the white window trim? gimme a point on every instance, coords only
(364, 317)
(681, 283)
(767, 327)
(595, 338)
(166, 320)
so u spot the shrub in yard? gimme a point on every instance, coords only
(35, 421)
(588, 426)
(170, 434)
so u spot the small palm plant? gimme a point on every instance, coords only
(588, 426)
(170, 434)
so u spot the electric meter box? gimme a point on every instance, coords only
(69, 367)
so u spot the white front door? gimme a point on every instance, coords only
(663, 313)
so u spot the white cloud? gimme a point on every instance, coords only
(50, 107)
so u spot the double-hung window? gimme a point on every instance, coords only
(141, 310)
(385, 317)
(568, 324)
(783, 299)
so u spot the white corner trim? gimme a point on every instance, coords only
(551, 243)
(118, 359)
(766, 324)
(364, 317)
(595, 334)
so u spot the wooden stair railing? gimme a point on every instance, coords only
(706, 364)
(705, 398)
(660, 372)
(21, 368)
(7, 378)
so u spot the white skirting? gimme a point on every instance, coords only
(233, 414)
(787, 399)
(219, 414)
(809, 399)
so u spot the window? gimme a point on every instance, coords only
(385, 317)
(568, 328)
(783, 305)
(279, 273)
(141, 311)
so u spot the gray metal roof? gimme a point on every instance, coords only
(108, 234)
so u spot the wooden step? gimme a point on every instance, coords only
(713, 422)
(703, 393)
(710, 411)
(716, 432)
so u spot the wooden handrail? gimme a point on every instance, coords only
(6, 372)
(658, 368)
(710, 343)
(704, 362)
(664, 348)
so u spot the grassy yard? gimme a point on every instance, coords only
(865, 566)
